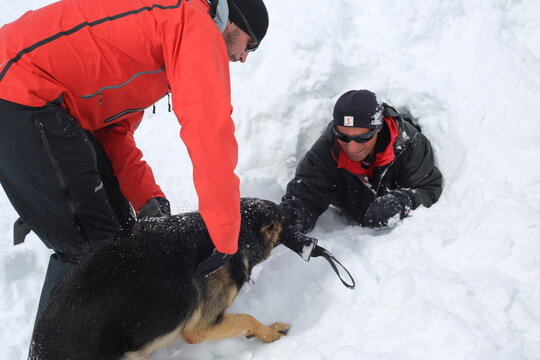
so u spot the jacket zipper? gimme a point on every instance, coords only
(112, 87)
(54, 163)
(58, 172)
(388, 167)
(128, 111)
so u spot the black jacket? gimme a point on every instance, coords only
(318, 182)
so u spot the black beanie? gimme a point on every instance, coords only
(255, 13)
(359, 108)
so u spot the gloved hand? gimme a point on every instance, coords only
(212, 264)
(157, 207)
(396, 204)
(290, 214)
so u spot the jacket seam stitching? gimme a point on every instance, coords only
(80, 27)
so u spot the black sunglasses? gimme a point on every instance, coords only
(362, 138)
(254, 44)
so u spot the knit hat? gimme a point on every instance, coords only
(359, 108)
(252, 11)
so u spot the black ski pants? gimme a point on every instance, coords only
(61, 183)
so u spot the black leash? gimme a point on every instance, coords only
(320, 251)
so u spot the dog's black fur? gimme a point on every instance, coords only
(130, 293)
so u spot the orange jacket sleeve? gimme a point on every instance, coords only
(134, 175)
(197, 67)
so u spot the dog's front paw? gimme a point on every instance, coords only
(279, 328)
(270, 333)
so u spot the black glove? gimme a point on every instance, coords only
(291, 235)
(395, 203)
(157, 207)
(290, 214)
(212, 263)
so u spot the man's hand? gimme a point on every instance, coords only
(394, 205)
(212, 264)
(157, 207)
(290, 214)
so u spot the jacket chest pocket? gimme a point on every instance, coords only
(118, 101)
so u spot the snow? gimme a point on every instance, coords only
(460, 280)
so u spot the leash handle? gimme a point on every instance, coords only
(320, 251)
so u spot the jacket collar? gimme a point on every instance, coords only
(386, 150)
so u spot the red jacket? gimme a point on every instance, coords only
(112, 59)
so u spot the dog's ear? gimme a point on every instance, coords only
(261, 226)
(272, 233)
(262, 214)
(268, 228)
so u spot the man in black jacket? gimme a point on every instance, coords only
(369, 162)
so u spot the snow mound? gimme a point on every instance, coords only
(460, 280)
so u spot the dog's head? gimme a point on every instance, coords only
(264, 226)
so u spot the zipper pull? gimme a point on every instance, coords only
(154, 109)
(40, 126)
(100, 102)
(169, 100)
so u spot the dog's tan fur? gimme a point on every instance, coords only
(208, 320)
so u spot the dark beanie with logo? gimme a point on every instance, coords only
(255, 14)
(359, 108)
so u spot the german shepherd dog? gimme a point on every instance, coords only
(132, 297)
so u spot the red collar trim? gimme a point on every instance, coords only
(381, 159)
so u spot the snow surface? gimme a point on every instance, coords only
(460, 280)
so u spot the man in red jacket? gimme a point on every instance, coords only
(75, 78)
